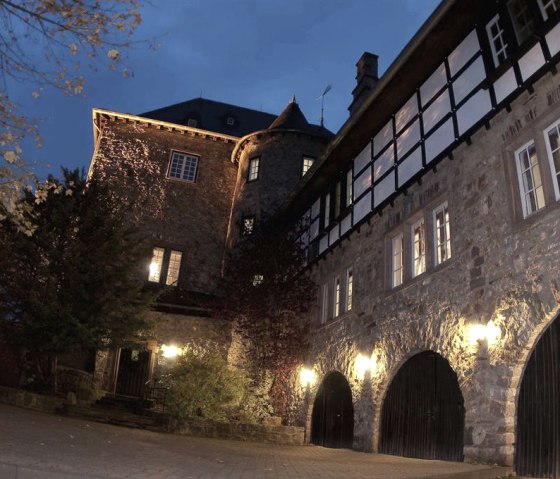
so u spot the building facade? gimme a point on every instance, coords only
(432, 226)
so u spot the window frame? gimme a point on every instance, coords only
(187, 156)
(543, 7)
(253, 173)
(348, 289)
(502, 36)
(447, 230)
(336, 297)
(397, 281)
(304, 159)
(173, 268)
(169, 269)
(247, 231)
(524, 192)
(555, 175)
(422, 250)
(324, 297)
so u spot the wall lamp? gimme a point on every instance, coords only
(490, 332)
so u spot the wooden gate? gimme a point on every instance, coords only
(423, 413)
(134, 372)
(333, 413)
(538, 410)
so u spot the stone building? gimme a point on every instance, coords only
(432, 230)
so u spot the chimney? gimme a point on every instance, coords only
(366, 78)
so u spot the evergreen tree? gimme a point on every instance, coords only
(76, 283)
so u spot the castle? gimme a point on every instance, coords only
(432, 230)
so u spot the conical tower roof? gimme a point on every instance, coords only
(291, 118)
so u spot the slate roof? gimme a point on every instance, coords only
(292, 118)
(213, 116)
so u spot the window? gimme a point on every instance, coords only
(257, 279)
(349, 285)
(397, 260)
(254, 168)
(552, 140)
(230, 121)
(248, 225)
(327, 210)
(418, 248)
(165, 262)
(521, 19)
(549, 7)
(192, 122)
(349, 190)
(336, 304)
(183, 166)
(173, 268)
(156, 264)
(529, 176)
(442, 236)
(498, 43)
(307, 163)
(337, 199)
(324, 303)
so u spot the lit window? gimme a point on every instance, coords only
(327, 210)
(173, 268)
(156, 264)
(307, 163)
(521, 19)
(349, 190)
(397, 260)
(254, 168)
(183, 167)
(529, 176)
(418, 248)
(336, 304)
(324, 303)
(248, 225)
(496, 37)
(257, 279)
(442, 236)
(552, 137)
(349, 285)
(549, 7)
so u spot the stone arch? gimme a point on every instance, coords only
(332, 413)
(534, 400)
(422, 412)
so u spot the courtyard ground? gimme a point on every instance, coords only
(36, 445)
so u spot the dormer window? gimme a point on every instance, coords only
(548, 7)
(521, 18)
(497, 39)
(230, 121)
(192, 122)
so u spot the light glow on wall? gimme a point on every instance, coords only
(307, 377)
(491, 333)
(170, 351)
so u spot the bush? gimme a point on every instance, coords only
(204, 387)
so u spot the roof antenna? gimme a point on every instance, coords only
(322, 97)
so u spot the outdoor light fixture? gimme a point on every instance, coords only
(169, 350)
(307, 377)
(364, 364)
(490, 333)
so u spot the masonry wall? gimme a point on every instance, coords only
(503, 268)
(133, 159)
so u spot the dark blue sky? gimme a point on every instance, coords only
(252, 53)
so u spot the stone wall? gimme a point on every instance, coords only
(503, 268)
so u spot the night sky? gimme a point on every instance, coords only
(251, 53)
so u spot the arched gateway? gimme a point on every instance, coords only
(423, 414)
(538, 409)
(333, 413)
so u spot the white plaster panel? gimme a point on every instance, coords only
(383, 137)
(473, 110)
(384, 189)
(406, 113)
(531, 61)
(439, 140)
(314, 229)
(323, 243)
(433, 84)
(408, 138)
(363, 158)
(382, 164)
(316, 209)
(409, 167)
(553, 40)
(505, 85)
(345, 224)
(464, 52)
(362, 207)
(333, 235)
(469, 80)
(437, 110)
(362, 183)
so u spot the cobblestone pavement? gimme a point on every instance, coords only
(35, 445)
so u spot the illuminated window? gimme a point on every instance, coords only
(397, 260)
(324, 303)
(549, 7)
(254, 168)
(552, 140)
(248, 225)
(498, 43)
(156, 264)
(307, 163)
(521, 19)
(183, 167)
(529, 176)
(418, 248)
(349, 285)
(349, 190)
(257, 279)
(173, 268)
(442, 234)
(336, 304)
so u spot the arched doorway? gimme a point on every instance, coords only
(332, 422)
(538, 409)
(423, 412)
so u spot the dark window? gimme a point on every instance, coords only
(248, 225)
